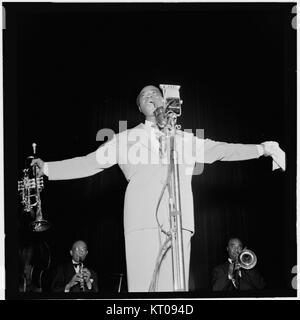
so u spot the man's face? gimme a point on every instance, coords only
(79, 251)
(148, 99)
(234, 248)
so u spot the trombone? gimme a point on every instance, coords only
(30, 188)
(247, 259)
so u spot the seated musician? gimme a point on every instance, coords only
(75, 276)
(231, 275)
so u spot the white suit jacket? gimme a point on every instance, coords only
(136, 151)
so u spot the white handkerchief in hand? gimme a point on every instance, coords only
(278, 156)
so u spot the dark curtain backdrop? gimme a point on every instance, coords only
(71, 70)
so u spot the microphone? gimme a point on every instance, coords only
(159, 111)
(160, 117)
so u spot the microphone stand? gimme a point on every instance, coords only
(175, 206)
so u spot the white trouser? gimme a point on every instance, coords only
(142, 249)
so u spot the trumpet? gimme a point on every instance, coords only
(30, 188)
(247, 259)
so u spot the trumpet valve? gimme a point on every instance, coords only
(21, 186)
(27, 184)
(40, 182)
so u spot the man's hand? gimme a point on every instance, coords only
(270, 147)
(230, 270)
(86, 274)
(237, 266)
(87, 277)
(39, 166)
(77, 278)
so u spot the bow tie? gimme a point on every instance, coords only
(76, 264)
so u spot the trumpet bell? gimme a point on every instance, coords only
(39, 225)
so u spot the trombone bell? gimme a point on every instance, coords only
(247, 259)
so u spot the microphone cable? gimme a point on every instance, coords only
(167, 244)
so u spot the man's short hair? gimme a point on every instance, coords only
(79, 240)
(138, 100)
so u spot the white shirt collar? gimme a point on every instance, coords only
(76, 264)
(149, 124)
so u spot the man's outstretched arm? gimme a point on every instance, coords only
(222, 151)
(79, 167)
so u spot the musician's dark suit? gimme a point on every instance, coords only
(64, 274)
(250, 279)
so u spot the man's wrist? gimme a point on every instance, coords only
(260, 149)
(46, 169)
